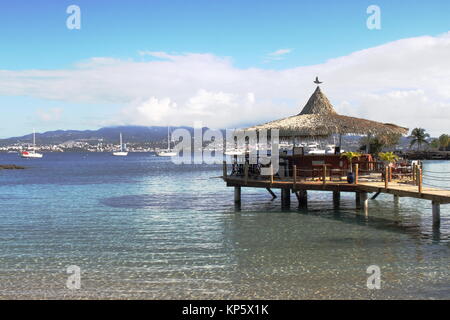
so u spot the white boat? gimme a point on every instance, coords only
(31, 154)
(330, 149)
(122, 152)
(313, 148)
(168, 152)
(234, 152)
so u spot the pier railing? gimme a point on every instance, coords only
(374, 171)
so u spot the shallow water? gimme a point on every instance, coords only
(142, 227)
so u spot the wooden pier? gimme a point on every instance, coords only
(412, 188)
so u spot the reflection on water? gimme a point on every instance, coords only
(142, 227)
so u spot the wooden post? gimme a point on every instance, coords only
(336, 199)
(294, 174)
(364, 201)
(237, 194)
(302, 198)
(436, 213)
(386, 178)
(224, 169)
(356, 173)
(324, 174)
(358, 199)
(414, 174)
(285, 198)
(396, 200)
(419, 178)
(246, 173)
(390, 173)
(271, 174)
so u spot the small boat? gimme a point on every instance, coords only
(330, 149)
(168, 152)
(313, 148)
(234, 152)
(31, 154)
(122, 152)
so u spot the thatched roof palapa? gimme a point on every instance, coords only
(319, 119)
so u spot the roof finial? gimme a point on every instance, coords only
(317, 81)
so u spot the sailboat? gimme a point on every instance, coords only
(32, 154)
(122, 152)
(168, 152)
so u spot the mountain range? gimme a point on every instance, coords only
(131, 134)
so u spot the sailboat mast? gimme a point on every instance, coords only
(121, 145)
(34, 138)
(168, 138)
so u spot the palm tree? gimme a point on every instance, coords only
(350, 155)
(444, 141)
(388, 157)
(418, 136)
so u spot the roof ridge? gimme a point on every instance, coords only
(318, 103)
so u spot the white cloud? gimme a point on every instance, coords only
(280, 52)
(53, 114)
(277, 55)
(406, 82)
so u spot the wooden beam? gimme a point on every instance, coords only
(375, 195)
(274, 196)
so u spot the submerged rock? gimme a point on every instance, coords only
(10, 166)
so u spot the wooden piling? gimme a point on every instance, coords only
(364, 201)
(336, 199)
(224, 169)
(246, 173)
(356, 173)
(285, 198)
(237, 194)
(396, 200)
(302, 196)
(358, 199)
(436, 208)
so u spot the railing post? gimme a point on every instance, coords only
(294, 174)
(324, 173)
(271, 173)
(390, 173)
(224, 169)
(386, 177)
(414, 174)
(356, 173)
(419, 178)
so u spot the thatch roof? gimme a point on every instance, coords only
(318, 118)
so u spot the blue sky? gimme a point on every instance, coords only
(35, 37)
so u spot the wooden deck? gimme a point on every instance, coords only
(394, 188)
(361, 190)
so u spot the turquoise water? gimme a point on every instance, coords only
(142, 227)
